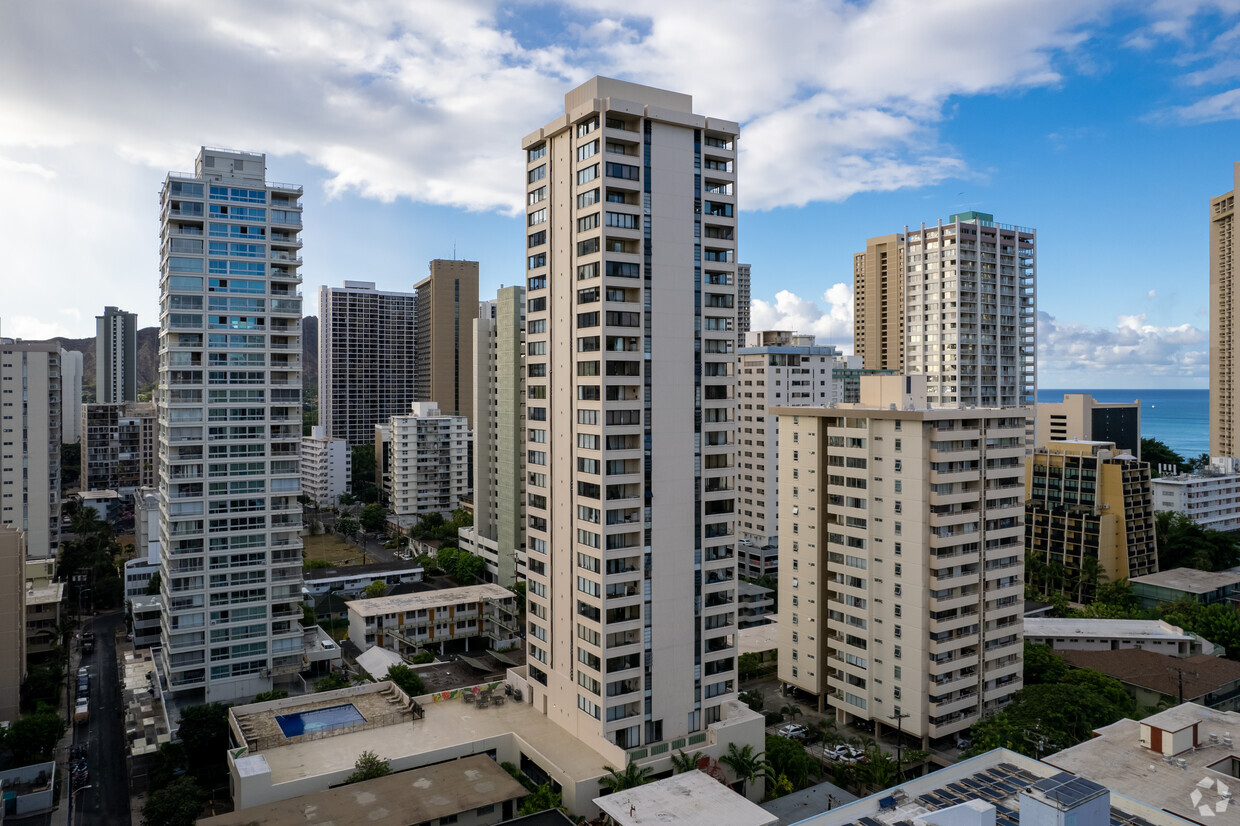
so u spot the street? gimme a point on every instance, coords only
(106, 802)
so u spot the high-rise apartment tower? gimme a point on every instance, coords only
(1224, 324)
(116, 356)
(446, 304)
(366, 359)
(30, 411)
(229, 407)
(498, 532)
(902, 540)
(630, 409)
(955, 302)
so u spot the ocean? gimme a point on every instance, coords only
(1179, 418)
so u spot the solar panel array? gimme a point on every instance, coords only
(1002, 784)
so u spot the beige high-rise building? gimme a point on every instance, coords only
(498, 532)
(902, 539)
(30, 411)
(1079, 417)
(1224, 324)
(878, 303)
(1088, 500)
(967, 300)
(12, 621)
(630, 415)
(445, 306)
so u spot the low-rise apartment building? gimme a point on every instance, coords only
(409, 622)
(1079, 634)
(1210, 498)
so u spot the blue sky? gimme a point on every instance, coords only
(1107, 126)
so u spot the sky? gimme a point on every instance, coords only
(1107, 126)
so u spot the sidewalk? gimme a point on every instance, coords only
(60, 815)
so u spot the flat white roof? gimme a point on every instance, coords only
(45, 594)
(759, 638)
(428, 599)
(690, 797)
(1127, 629)
(1189, 579)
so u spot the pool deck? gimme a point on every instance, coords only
(262, 731)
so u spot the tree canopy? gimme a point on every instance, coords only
(373, 517)
(407, 680)
(1182, 543)
(368, 766)
(177, 804)
(204, 731)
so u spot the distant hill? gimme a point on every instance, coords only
(148, 354)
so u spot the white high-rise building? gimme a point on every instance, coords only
(956, 302)
(366, 359)
(630, 421)
(777, 368)
(498, 532)
(427, 462)
(902, 547)
(71, 406)
(229, 427)
(116, 356)
(326, 467)
(30, 411)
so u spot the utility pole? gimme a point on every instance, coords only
(899, 718)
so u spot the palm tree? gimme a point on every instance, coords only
(630, 777)
(823, 730)
(682, 762)
(791, 710)
(745, 764)
(1091, 575)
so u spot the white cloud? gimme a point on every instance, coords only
(833, 325)
(1134, 347)
(24, 326)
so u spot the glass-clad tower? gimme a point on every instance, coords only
(229, 408)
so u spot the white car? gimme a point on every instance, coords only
(844, 753)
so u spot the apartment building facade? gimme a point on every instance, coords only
(119, 447)
(1211, 497)
(1224, 323)
(326, 466)
(445, 306)
(901, 594)
(366, 359)
(71, 385)
(427, 462)
(964, 313)
(630, 394)
(1080, 417)
(1089, 501)
(116, 356)
(30, 433)
(229, 406)
(498, 532)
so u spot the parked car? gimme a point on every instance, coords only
(794, 731)
(844, 753)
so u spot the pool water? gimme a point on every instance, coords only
(320, 719)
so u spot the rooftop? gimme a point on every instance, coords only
(428, 599)
(690, 797)
(759, 638)
(414, 796)
(1189, 580)
(996, 778)
(45, 594)
(380, 704)
(1116, 759)
(350, 571)
(1202, 673)
(1129, 629)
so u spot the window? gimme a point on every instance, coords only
(536, 239)
(588, 222)
(622, 170)
(586, 199)
(587, 126)
(587, 150)
(588, 246)
(622, 220)
(537, 195)
(537, 216)
(537, 173)
(589, 173)
(536, 152)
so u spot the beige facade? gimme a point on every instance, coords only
(901, 589)
(446, 304)
(1087, 500)
(30, 427)
(630, 394)
(12, 621)
(878, 303)
(498, 532)
(1224, 324)
(1080, 417)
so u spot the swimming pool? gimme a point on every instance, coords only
(319, 719)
